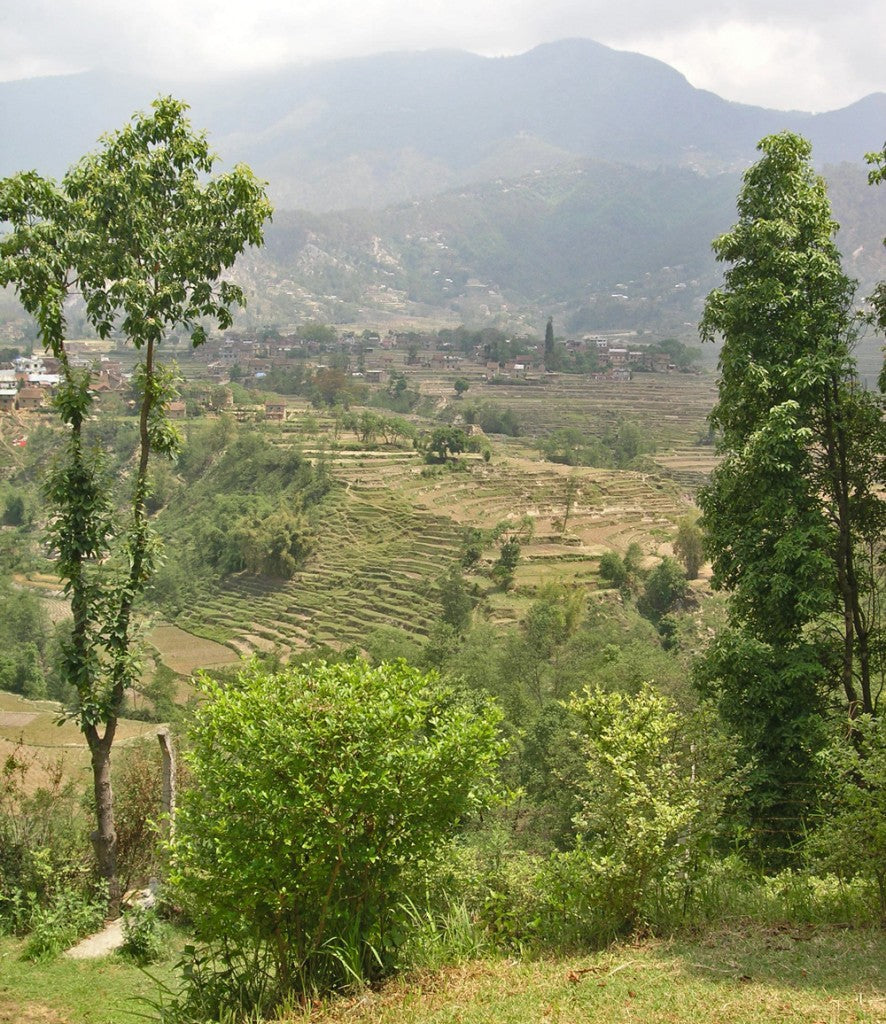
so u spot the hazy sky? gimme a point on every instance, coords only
(814, 55)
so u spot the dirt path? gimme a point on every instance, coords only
(106, 941)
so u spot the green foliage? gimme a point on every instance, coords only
(247, 508)
(138, 788)
(388, 643)
(506, 565)
(794, 514)
(651, 793)
(145, 938)
(315, 793)
(25, 656)
(551, 362)
(876, 176)
(550, 769)
(14, 510)
(143, 232)
(618, 447)
(625, 573)
(772, 697)
(445, 442)
(689, 546)
(851, 839)
(612, 569)
(43, 845)
(323, 334)
(58, 924)
(455, 600)
(682, 356)
(665, 589)
(493, 418)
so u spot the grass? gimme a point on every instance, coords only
(102, 991)
(744, 976)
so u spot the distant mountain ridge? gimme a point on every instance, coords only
(373, 131)
(600, 246)
(572, 180)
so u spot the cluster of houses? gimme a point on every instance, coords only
(258, 356)
(27, 383)
(613, 362)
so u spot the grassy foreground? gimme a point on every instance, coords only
(725, 977)
(742, 976)
(102, 991)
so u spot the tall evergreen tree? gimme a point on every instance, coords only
(794, 513)
(549, 344)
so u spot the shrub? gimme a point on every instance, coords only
(508, 557)
(689, 546)
(44, 849)
(612, 569)
(58, 924)
(652, 794)
(666, 588)
(144, 936)
(315, 792)
(138, 788)
(851, 842)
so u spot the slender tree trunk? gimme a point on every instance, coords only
(856, 646)
(104, 838)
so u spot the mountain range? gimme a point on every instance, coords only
(449, 183)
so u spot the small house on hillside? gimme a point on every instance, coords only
(30, 399)
(275, 410)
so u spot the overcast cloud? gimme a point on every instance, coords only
(819, 55)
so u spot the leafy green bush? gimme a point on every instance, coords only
(666, 588)
(652, 795)
(315, 793)
(144, 936)
(68, 916)
(612, 569)
(851, 841)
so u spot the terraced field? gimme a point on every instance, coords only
(393, 526)
(392, 531)
(377, 564)
(672, 408)
(31, 727)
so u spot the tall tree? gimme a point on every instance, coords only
(549, 344)
(794, 513)
(689, 546)
(141, 231)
